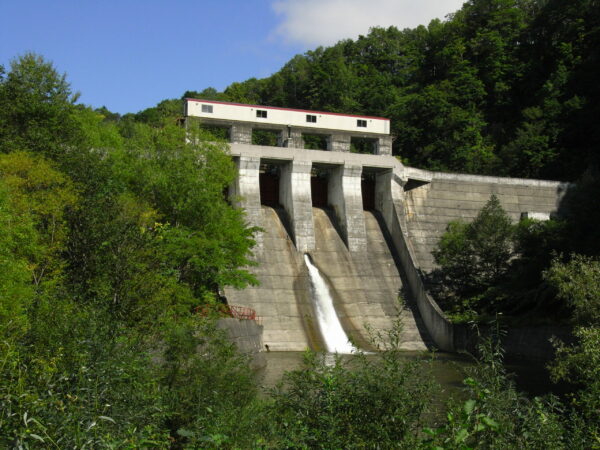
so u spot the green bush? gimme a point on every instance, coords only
(474, 257)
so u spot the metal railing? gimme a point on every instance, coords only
(235, 311)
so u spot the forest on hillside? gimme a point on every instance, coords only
(114, 234)
(503, 87)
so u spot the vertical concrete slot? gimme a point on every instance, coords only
(367, 188)
(319, 181)
(269, 177)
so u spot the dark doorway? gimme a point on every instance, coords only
(367, 186)
(269, 185)
(318, 188)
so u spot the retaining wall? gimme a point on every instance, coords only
(247, 337)
(431, 206)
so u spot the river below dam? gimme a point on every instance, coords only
(447, 370)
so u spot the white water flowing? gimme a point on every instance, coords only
(335, 338)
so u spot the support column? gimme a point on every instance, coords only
(383, 146)
(282, 138)
(241, 134)
(383, 195)
(345, 196)
(293, 139)
(295, 196)
(245, 192)
(338, 142)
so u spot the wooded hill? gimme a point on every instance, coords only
(503, 87)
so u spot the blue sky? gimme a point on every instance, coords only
(130, 54)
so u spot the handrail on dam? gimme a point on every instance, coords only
(234, 311)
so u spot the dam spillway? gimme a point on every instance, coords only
(364, 285)
(367, 257)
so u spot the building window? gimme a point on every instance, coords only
(361, 123)
(311, 119)
(261, 113)
(207, 108)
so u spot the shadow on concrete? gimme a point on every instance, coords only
(335, 223)
(405, 294)
(284, 218)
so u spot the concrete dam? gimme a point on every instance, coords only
(367, 222)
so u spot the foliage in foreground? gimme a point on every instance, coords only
(99, 391)
(578, 283)
(362, 402)
(110, 238)
(497, 416)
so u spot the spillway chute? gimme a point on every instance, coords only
(335, 338)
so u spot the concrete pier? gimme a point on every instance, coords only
(344, 195)
(295, 197)
(245, 191)
(338, 142)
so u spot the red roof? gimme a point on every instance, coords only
(284, 109)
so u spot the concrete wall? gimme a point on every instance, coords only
(344, 194)
(418, 214)
(293, 138)
(389, 199)
(338, 143)
(282, 298)
(247, 337)
(430, 206)
(245, 191)
(383, 146)
(415, 207)
(241, 134)
(364, 284)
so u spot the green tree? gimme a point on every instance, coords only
(578, 283)
(18, 246)
(475, 257)
(36, 108)
(39, 190)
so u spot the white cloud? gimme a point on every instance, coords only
(324, 22)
